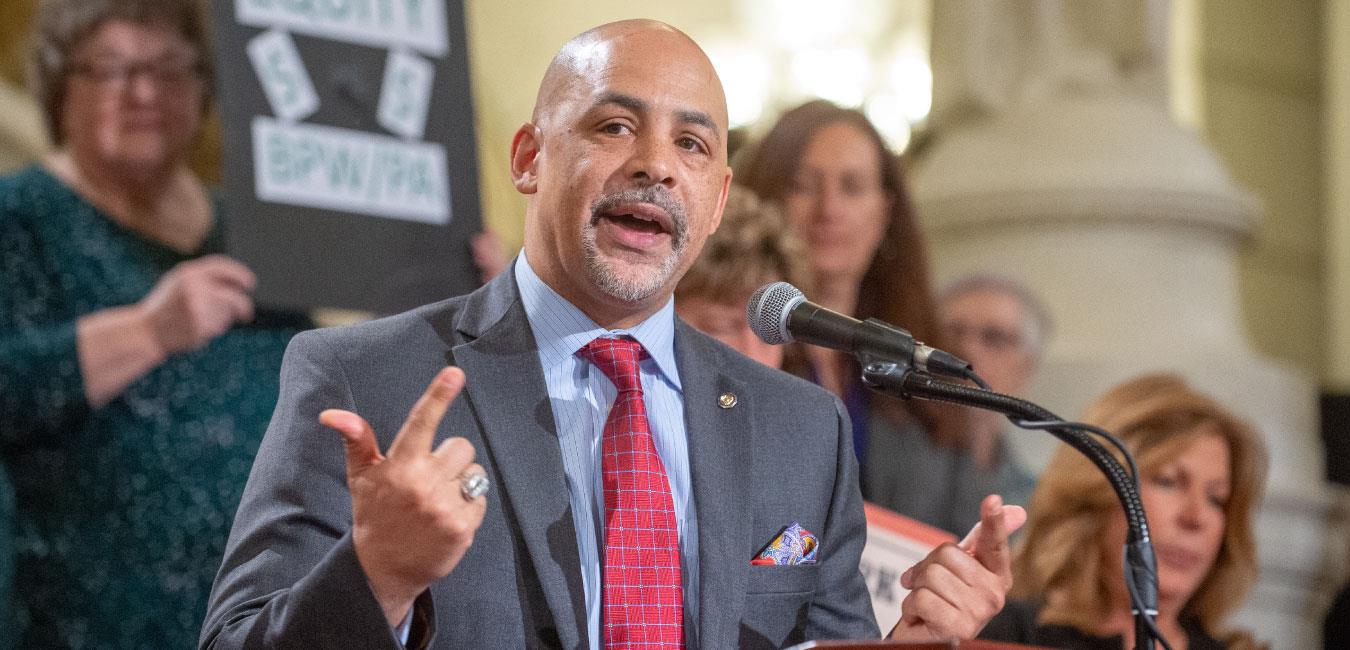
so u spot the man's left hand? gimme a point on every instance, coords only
(957, 588)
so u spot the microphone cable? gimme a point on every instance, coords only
(1048, 425)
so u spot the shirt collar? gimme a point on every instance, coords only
(560, 329)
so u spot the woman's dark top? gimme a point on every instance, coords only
(121, 512)
(1017, 624)
(902, 469)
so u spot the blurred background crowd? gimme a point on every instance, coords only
(1136, 213)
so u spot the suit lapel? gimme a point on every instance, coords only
(508, 395)
(720, 454)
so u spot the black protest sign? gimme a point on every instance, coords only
(350, 168)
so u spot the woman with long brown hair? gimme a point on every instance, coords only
(844, 192)
(1202, 472)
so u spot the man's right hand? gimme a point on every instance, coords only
(411, 524)
(196, 301)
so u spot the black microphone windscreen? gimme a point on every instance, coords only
(768, 309)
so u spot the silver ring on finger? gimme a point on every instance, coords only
(474, 485)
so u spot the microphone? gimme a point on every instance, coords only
(778, 313)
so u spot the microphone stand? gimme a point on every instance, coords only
(1140, 564)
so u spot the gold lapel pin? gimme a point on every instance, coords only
(726, 400)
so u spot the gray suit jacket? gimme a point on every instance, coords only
(782, 453)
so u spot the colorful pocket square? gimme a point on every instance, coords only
(795, 545)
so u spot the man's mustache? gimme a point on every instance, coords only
(656, 195)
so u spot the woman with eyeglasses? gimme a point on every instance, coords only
(844, 193)
(136, 379)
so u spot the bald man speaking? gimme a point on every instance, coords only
(556, 460)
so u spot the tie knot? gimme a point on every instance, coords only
(618, 359)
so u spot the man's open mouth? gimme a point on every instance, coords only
(641, 217)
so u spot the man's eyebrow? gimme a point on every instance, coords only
(626, 101)
(638, 105)
(699, 118)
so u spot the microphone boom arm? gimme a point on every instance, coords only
(894, 363)
(1140, 563)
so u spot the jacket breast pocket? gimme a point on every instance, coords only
(777, 602)
(791, 579)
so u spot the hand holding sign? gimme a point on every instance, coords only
(197, 301)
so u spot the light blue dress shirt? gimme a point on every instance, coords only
(581, 395)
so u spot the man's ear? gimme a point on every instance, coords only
(722, 200)
(524, 156)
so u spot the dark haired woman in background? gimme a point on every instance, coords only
(844, 192)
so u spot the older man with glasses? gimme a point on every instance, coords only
(1000, 328)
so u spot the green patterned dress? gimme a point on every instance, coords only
(120, 514)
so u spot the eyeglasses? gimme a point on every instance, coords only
(167, 72)
(991, 337)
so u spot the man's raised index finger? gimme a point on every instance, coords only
(988, 543)
(420, 428)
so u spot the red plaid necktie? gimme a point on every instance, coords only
(642, 596)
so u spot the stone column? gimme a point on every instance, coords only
(1074, 179)
(1337, 240)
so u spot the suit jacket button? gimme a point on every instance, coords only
(726, 400)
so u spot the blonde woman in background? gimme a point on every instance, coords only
(1202, 472)
(753, 246)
